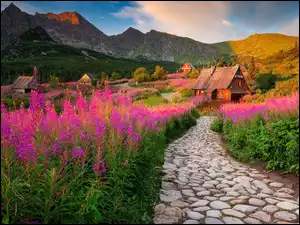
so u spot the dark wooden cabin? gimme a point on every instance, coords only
(25, 84)
(224, 83)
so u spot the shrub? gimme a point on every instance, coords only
(217, 125)
(115, 76)
(176, 97)
(186, 92)
(159, 74)
(10, 103)
(266, 82)
(54, 81)
(193, 74)
(274, 141)
(141, 75)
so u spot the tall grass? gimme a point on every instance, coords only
(267, 131)
(95, 162)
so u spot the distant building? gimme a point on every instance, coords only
(25, 84)
(187, 67)
(86, 79)
(226, 83)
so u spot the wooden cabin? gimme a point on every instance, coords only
(25, 84)
(86, 79)
(224, 83)
(187, 67)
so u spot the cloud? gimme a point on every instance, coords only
(209, 21)
(101, 17)
(291, 28)
(26, 7)
(226, 23)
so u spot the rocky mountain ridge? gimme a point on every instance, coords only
(70, 28)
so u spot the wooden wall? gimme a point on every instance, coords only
(224, 94)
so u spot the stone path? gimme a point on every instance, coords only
(202, 184)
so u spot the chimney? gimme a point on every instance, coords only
(212, 69)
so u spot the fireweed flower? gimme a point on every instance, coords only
(77, 152)
(99, 168)
(100, 129)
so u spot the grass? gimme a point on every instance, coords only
(153, 100)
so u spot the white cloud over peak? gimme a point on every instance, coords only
(226, 23)
(210, 21)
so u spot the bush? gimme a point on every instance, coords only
(54, 81)
(186, 92)
(217, 125)
(115, 76)
(266, 82)
(141, 75)
(176, 97)
(159, 74)
(9, 103)
(276, 141)
(193, 74)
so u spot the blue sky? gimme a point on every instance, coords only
(203, 21)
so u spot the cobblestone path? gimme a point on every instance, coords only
(202, 184)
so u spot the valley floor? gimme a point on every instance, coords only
(203, 184)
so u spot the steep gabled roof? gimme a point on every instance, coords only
(91, 75)
(221, 78)
(189, 65)
(202, 79)
(21, 82)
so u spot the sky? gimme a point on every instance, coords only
(207, 22)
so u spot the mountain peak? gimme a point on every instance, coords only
(71, 17)
(132, 30)
(36, 34)
(12, 8)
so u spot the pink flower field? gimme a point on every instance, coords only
(278, 107)
(104, 121)
(182, 83)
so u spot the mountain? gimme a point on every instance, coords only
(67, 28)
(70, 28)
(36, 47)
(258, 45)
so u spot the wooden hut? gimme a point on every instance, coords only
(25, 84)
(86, 79)
(187, 67)
(225, 83)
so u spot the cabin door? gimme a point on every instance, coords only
(236, 97)
(214, 95)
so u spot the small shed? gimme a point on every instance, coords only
(21, 84)
(25, 84)
(86, 79)
(187, 67)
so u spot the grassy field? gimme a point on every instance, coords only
(153, 100)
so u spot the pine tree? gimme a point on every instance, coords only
(221, 62)
(252, 70)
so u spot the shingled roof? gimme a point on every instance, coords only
(21, 82)
(202, 79)
(189, 64)
(219, 79)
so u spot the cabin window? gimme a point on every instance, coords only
(240, 83)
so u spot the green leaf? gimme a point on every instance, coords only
(5, 220)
